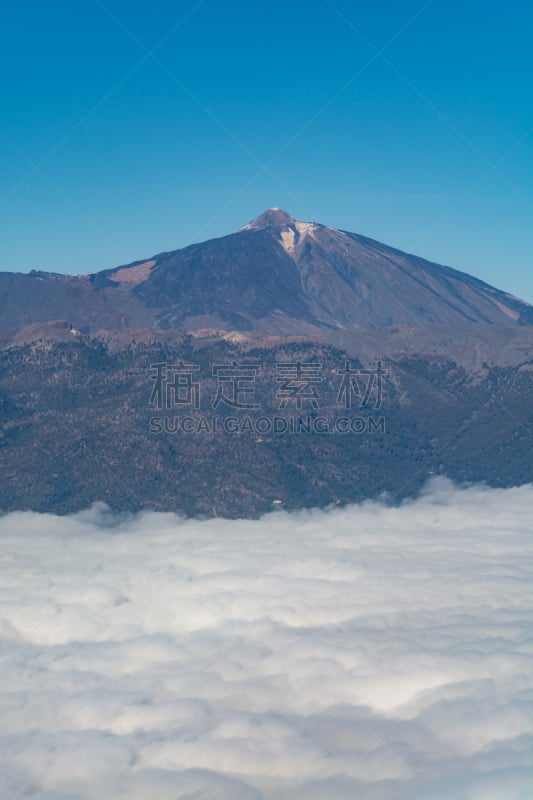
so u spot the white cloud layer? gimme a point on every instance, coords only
(370, 652)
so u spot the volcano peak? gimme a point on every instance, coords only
(271, 218)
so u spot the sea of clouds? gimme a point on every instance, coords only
(370, 652)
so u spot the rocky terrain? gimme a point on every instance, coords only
(312, 366)
(276, 275)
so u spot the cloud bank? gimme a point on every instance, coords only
(372, 652)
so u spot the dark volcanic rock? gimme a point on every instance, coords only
(276, 275)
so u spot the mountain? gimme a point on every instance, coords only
(276, 275)
(437, 366)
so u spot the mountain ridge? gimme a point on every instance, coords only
(275, 275)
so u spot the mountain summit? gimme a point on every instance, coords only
(276, 275)
(279, 275)
(271, 218)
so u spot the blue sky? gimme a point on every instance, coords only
(406, 122)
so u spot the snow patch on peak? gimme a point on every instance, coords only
(271, 218)
(288, 240)
(305, 228)
(294, 234)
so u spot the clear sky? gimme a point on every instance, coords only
(130, 127)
